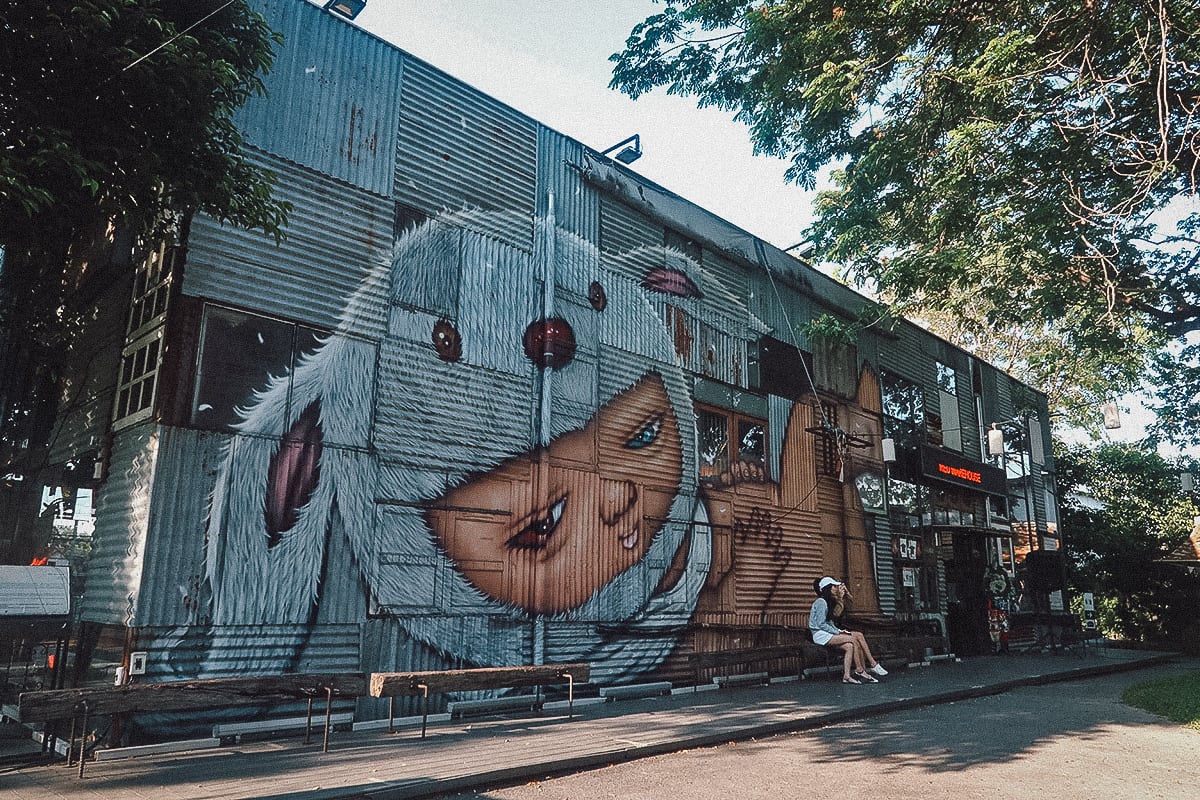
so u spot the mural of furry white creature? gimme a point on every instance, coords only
(508, 475)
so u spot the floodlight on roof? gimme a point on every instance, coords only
(628, 150)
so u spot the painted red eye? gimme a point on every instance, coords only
(550, 342)
(447, 340)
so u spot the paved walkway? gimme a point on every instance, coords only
(476, 754)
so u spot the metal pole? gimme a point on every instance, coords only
(83, 738)
(328, 718)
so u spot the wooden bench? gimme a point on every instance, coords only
(744, 655)
(424, 683)
(829, 657)
(174, 696)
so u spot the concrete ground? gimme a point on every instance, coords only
(486, 752)
(1073, 740)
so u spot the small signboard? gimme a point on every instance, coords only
(35, 591)
(1089, 611)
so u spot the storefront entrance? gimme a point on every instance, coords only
(966, 595)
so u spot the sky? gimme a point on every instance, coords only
(549, 60)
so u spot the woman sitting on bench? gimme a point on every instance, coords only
(831, 596)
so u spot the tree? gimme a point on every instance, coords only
(1122, 511)
(119, 112)
(996, 161)
(115, 124)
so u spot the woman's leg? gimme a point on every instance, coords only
(848, 660)
(860, 642)
(851, 660)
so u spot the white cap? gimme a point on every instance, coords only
(827, 581)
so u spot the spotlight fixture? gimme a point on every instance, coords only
(346, 8)
(628, 150)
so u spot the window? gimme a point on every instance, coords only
(945, 427)
(903, 405)
(721, 433)
(138, 379)
(784, 370)
(947, 381)
(239, 354)
(933, 426)
(141, 356)
(828, 459)
(151, 289)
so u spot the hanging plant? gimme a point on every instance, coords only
(829, 329)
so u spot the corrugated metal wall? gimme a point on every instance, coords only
(576, 205)
(93, 363)
(336, 235)
(459, 148)
(122, 520)
(172, 591)
(355, 137)
(345, 127)
(623, 230)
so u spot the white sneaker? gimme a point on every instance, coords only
(878, 669)
(866, 677)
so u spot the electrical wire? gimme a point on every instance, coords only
(183, 32)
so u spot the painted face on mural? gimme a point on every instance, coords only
(543, 531)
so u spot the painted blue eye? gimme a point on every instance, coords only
(646, 436)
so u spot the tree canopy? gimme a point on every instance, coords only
(999, 161)
(1123, 510)
(115, 123)
(119, 111)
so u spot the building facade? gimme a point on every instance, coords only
(497, 399)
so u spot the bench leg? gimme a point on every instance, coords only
(391, 714)
(570, 697)
(83, 738)
(328, 718)
(424, 709)
(71, 743)
(308, 723)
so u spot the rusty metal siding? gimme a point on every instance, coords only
(122, 520)
(459, 148)
(332, 98)
(777, 555)
(576, 204)
(336, 236)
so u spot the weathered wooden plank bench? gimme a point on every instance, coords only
(424, 683)
(174, 696)
(742, 656)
